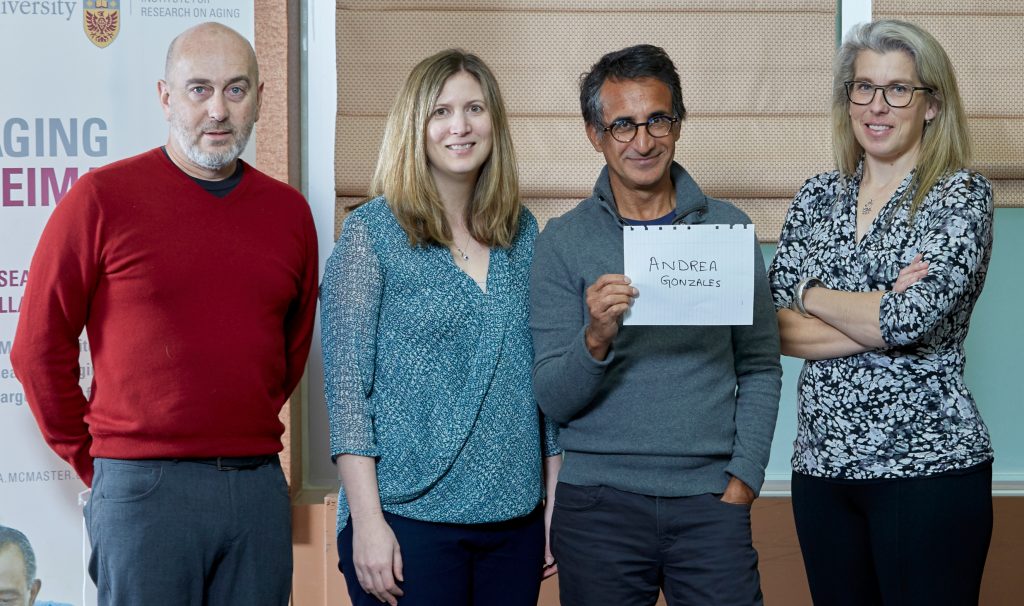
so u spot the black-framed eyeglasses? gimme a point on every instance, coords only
(895, 95)
(625, 130)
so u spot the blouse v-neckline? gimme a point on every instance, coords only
(483, 288)
(853, 209)
(497, 266)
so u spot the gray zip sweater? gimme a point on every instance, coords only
(672, 410)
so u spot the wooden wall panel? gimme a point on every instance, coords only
(762, 212)
(277, 134)
(562, 163)
(538, 57)
(755, 79)
(983, 41)
(278, 149)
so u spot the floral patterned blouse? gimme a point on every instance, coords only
(903, 410)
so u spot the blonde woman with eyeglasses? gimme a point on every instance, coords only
(879, 265)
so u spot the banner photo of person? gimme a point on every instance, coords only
(81, 92)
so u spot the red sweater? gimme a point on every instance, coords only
(199, 312)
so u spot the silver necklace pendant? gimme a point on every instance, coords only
(867, 207)
(462, 253)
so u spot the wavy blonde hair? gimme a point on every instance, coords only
(945, 144)
(403, 175)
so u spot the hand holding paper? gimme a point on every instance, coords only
(607, 300)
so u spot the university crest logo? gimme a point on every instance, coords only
(101, 20)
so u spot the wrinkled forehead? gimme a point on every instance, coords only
(635, 94)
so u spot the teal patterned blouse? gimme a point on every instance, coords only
(431, 375)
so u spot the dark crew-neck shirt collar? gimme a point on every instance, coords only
(218, 188)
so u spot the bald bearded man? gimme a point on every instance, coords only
(194, 276)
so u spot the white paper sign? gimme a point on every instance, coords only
(690, 274)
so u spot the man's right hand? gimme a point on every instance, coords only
(377, 558)
(607, 299)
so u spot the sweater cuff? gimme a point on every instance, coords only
(748, 472)
(373, 453)
(549, 438)
(587, 361)
(895, 332)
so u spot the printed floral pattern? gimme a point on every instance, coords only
(902, 411)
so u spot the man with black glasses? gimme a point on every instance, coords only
(666, 429)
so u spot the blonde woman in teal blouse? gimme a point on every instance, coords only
(442, 453)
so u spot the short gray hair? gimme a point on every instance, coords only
(632, 63)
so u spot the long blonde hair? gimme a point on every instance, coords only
(945, 144)
(403, 176)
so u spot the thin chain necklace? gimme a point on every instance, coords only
(871, 200)
(462, 253)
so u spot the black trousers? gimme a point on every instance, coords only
(497, 564)
(617, 548)
(901, 542)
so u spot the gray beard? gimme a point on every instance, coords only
(210, 160)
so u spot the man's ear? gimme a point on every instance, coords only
(164, 93)
(596, 138)
(259, 101)
(34, 591)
